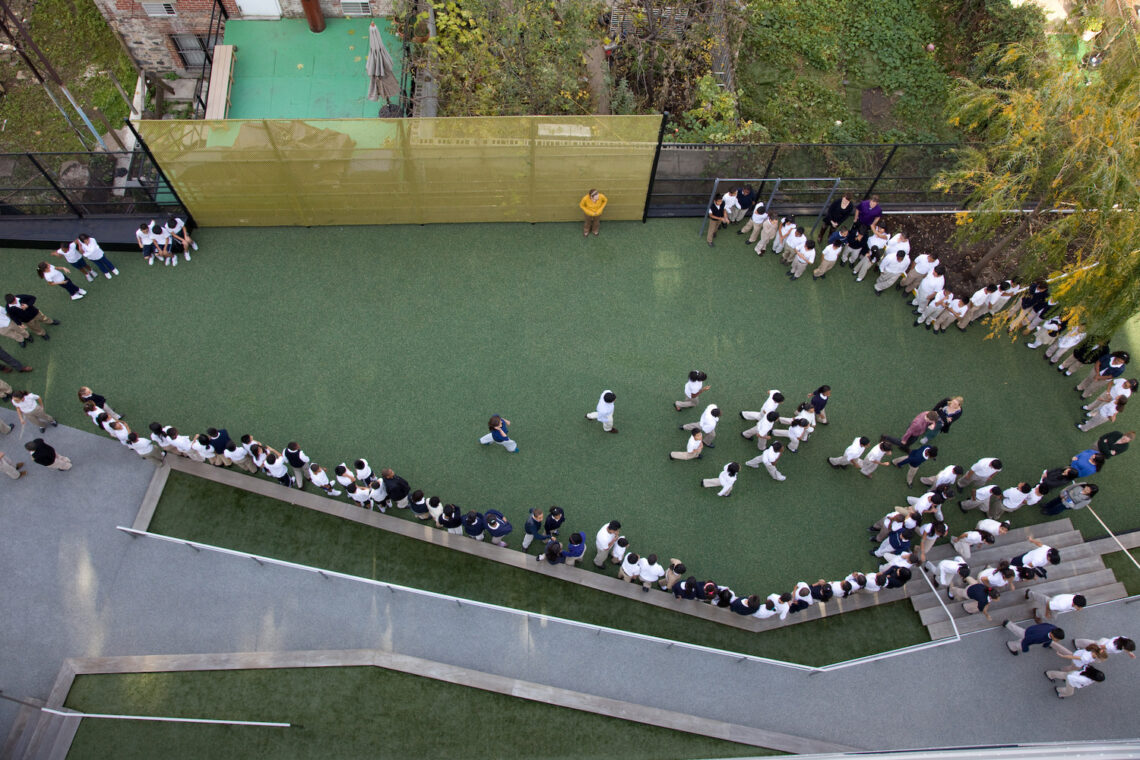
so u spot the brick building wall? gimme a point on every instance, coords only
(155, 41)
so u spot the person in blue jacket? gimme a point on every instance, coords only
(575, 548)
(498, 526)
(498, 433)
(554, 521)
(474, 525)
(533, 528)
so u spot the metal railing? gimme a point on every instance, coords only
(900, 174)
(83, 184)
(215, 31)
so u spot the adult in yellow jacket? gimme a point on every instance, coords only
(592, 204)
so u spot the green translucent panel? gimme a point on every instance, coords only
(255, 172)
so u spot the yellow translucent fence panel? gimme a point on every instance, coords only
(263, 172)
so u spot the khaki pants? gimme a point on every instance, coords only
(971, 478)
(1054, 352)
(886, 279)
(591, 224)
(713, 483)
(861, 269)
(824, 267)
(684, 455)
(8, 468)
(684, 404)
(714, 225)
(60, 463)
(1040, 604)
(245, 464)
(15, 332)
(766, 237)
(1093, 384)
(607, 425)
(33, 325)
(868, 468)
(1059, 675)
(5, 390)
(911, 280)
(944, 320)
(750, 226)
(972, 313)
(39, 417)
(798, 267)
(708, 438)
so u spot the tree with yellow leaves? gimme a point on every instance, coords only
(1059, 143)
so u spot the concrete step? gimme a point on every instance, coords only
(1068, 585)
(1023, 611)
(1080, 566)
(22, 727)
(45, 734)
(991, 555)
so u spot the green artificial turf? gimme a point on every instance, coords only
(396, 344)
(361, 712)
(1124, 570)
(212, 513)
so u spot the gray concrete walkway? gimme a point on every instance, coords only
(78, 587)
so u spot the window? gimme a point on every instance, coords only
(192, 48)
(355, 8)
(159, 9)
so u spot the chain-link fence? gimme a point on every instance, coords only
(899, 174)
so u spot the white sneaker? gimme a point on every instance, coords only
(114, 271)
(166, 262)
(334, 492)
(187, 255)
(90, 277)
(107, 275)
(194, 246)
(150, 260)
(175, 260)
(78, 295)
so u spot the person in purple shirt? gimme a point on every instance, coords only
(1088, 462)
(867, 212)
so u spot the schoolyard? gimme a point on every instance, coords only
(397, 343)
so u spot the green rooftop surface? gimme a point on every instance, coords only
(284, 71)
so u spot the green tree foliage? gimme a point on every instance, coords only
(1060, 139)
(714, 118)
(512, 57)
(666, 46)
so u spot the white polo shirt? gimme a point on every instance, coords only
(876, 454)
(693, 444)
(1013, 499)
(984, 468)
(27, 404)
(320, 478)
(1062, 603)
(692, 388)
(143, 446)
(708, 420)
(649, 573)
(630, 568)
(53, 275)
(993, 527)
(1039, 557)
(795, 241)
(945, 476)
(278, 469)
(854, 451)
(602, 540)
(771, 404)
(924, 262)
(770, 456)
(605, 408)
(71, 253)
(831, 252)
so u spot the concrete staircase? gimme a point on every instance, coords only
(1081, 571)
(38, 735)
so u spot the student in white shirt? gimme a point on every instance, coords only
(179, 236)
(1070, 338)
(235, 454)
(435, 509)
(999, 577)
(57, 276)
(769, 228)
(793, 244)
(91, 251)
(162, 244)
(319, 477)
(362, 495)
(629, 569)
(802, 258)
(692, 448)
(70, 253)
(891, 268)
(919, 268)
(694, 387)
(769, 458)
(706, 424)
(144, 447)
(1046, 333)
(948, 572)
(181, 443)
(771, 404)
(604, 413)
(874, 458)
(997, 301)
(146, 242)
(980, 472)
(1046, 606)
(956, 308)
(796, 433)
(732, 207)
(930, 285)
(30, 408)
(787, 228)
(853, 454)
(1111, 645)
(345, 476)
(1073, 680)
(944, 477)
(605, 539)
(891, 522)
(828, 256)
(1118, 389)
(363, 470)
(762, 430)
(933, 308)
(977, 305)
(650, 572)
(754, 223)
(725, 481)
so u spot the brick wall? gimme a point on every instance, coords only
(148, 39)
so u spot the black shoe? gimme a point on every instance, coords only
(878, 292)
(710, 445)
(55, 322)
(710, 245)
(54, 423)
(45, 336)
(24, 343)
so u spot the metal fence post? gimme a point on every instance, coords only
(161, 174)
(653, 170)
(882, 169)
(59, 191)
